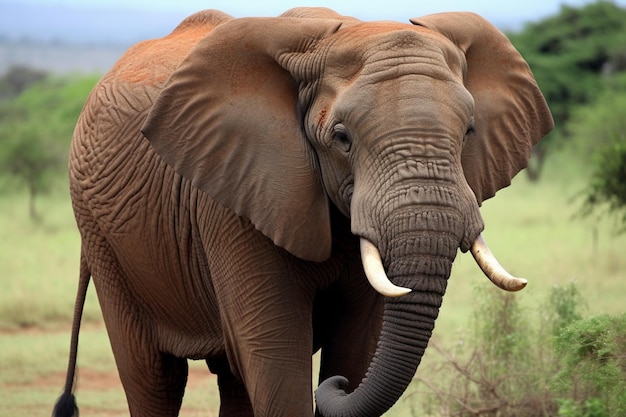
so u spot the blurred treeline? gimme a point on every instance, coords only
(38, 112)
(579, 60)
(578, 57)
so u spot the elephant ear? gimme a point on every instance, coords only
(511, 114)
(228, 121)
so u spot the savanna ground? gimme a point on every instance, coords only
(532, 228)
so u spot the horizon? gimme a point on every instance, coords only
(73, 21)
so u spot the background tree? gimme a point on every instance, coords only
(17, 79)
(606, 192)
(574, 55)
(598, 139)
(36, 129)
(26, 153)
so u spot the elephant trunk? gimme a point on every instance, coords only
(423, 264)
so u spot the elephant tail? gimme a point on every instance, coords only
(66, 404)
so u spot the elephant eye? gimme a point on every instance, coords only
(342, 137)
(469, 130)
(470, 127)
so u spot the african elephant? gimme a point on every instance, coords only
(238, 183)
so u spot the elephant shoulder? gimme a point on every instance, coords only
(151, 62)
(203, 19)
(320, 13)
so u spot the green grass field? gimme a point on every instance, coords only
(530, 227)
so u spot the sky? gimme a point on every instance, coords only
(370, 9)
(128, 21)
(496, 11)
(386, 7)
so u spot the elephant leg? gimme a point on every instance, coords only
(270, 348)
(154, 382)
(234, 399)
(268, 339)
(265, 299)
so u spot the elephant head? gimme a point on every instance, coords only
(406, 129)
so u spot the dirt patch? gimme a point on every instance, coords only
(99, 390)
(34, 330)
(95, 380)
(88, 379)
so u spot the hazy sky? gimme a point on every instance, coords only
(499, 12)
(124, 22)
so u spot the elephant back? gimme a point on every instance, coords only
(151, 62)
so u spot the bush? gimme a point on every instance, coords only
(563, 308)
(563, 366)
(593, 378)
(500, 371)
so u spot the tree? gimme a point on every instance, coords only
(18, 79)
(36, 129)
(599, 132)
(606, 191)
(572, 55)
(28, 155)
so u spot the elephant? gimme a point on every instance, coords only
(249, 191)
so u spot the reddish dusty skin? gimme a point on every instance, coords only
(220, 215)
(165, 53)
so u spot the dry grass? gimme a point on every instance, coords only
(530, 227)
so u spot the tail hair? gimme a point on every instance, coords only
(66, 406)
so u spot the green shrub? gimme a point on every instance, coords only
(592, 407)
(593, 356)
(563, 307)
(500, 327)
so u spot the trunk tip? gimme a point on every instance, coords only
(330, 394)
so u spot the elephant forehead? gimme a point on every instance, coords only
(374, 46)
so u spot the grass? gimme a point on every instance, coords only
(530, 227)
(39, 262)
(33, 366)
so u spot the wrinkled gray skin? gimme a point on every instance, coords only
(222, 176)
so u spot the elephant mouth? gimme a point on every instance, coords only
(375, 272)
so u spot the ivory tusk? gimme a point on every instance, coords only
(373, 266)
(492, 268)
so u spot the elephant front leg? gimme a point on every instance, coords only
(270, 351)
(268, 339)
